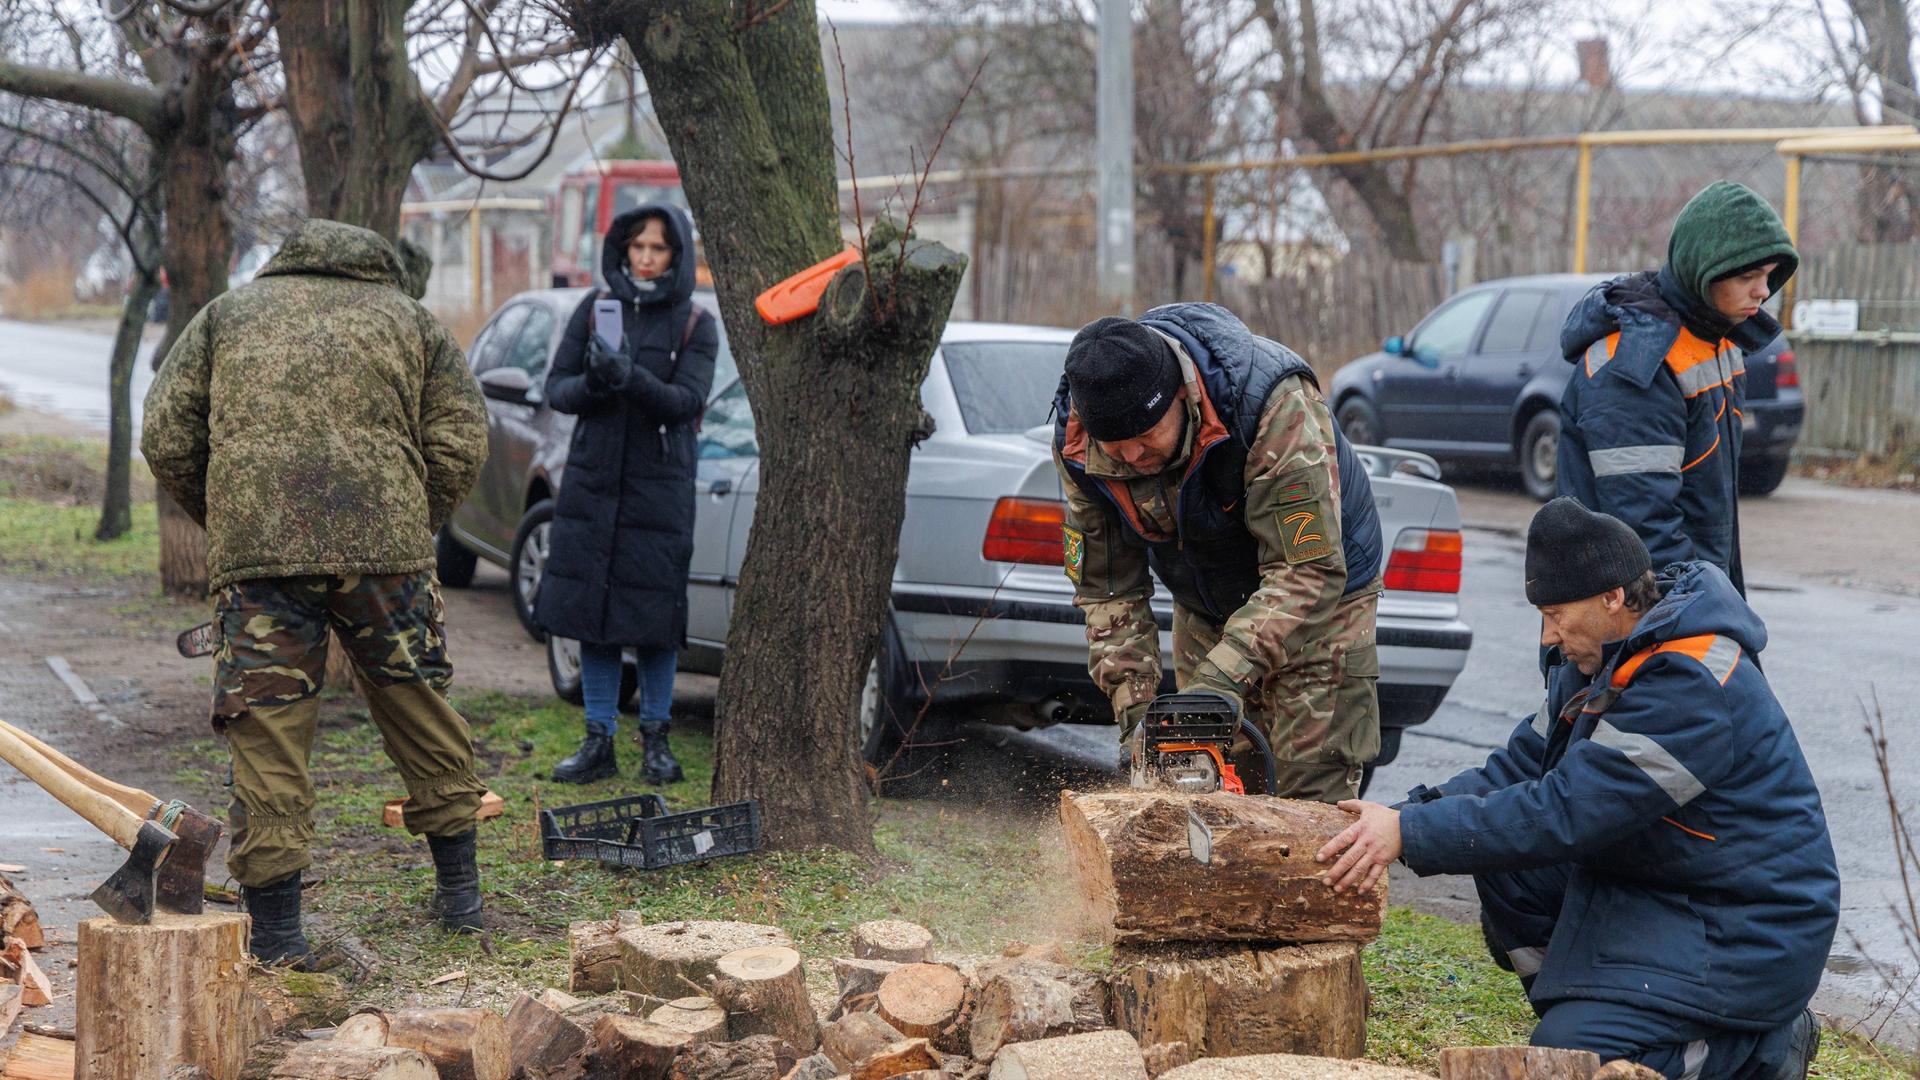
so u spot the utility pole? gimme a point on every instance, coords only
(1113, 150)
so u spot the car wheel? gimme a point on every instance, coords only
(1763, 476)
(453, 563)
(1389, 749)
(1360, 422)
(886, 711)
(1539, 454)
(528, 562)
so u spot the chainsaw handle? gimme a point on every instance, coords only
(101, 812)
(135, 800)
(1259, 740)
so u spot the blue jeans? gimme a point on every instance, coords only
(600, 686)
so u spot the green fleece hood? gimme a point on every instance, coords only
(1724, 228)
(336, 249)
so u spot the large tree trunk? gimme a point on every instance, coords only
(116, 506)
(835, 395)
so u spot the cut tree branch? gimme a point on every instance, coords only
(141, 104)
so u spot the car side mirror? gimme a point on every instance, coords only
(509, 384)
(1394, 346)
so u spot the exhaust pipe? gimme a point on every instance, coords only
(1057, 709)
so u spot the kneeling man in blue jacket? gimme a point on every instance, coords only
(1649, 848)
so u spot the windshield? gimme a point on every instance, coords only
(1005, 387)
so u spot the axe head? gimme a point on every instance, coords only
(128, 894)
(181, 885)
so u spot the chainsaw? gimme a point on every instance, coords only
(1183, 743)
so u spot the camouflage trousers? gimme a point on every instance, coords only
(1320, 713)
(268, 673)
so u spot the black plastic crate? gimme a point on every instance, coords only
(637, 831)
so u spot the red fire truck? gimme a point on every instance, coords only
(591, 197)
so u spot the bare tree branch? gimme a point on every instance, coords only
(140, 104)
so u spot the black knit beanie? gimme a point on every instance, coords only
(1122, 378)
(1574, 553)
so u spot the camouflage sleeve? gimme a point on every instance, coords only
(173, 435)
(1113, 589)
(1293, 510)
(453, 425)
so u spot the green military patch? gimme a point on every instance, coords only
(1073, 549)
(1303, 533)
(1295, 491)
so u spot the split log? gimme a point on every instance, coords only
(1517, 1063)
(463, 1044)
(1234, 1001)
(542, 1040)
(40, 1057)
(699, 1018)
(1627, 1070)
(18, 917)
(1164, 1057)
(923, 1000)
(281, 1000)
(337, 1061)
(10, 1006)
(629, 1048)
(165, 993)
(907, 1055)
(1031, 1000)
(593, 952)
(1110, 1055)
(817, 1067)
(893, 939)
(1134, 865)
(17, 965)
(764, 991)
(1289, 1067)
(670, 959)
(757, 1057)
(855, 1037)
(856, 976)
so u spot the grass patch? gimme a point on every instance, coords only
(50, 492)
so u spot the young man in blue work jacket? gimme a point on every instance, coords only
(1649, 849)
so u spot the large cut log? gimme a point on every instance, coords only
(757, 1057)
(542, 1041)
(629, 1048)
(463, 1044)
(857, 1036)
(859, 982)
(1289, 1067)
(593, 952)
(893, 939)
(1517, 1063)
(1233, 1001)
(39, 1057)
(1110, 1055)
(905, 1056)
(165, 993)
(1030, 1000)
(924, 1000)
(817, 1067)
(18, 917)
(1135, 858)
(700, 1018)
(674, 959)
(764, 991)
(340, 1061)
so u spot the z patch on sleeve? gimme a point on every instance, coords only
(1305, 534)
(1073, 548)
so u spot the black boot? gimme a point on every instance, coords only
(276, 939)
(1803, 1045)
(593, 761)
(456, 881)
(658, 764)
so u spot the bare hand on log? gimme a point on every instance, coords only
(1370, 844)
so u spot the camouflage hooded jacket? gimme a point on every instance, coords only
(317, 420)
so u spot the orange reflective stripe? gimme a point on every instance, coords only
(1705, 456)
(1723, 410)
(1689, 832)
(1623, 674)
(1696, 647)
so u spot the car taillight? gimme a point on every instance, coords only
(1025, 531)
(1425, 560)
(1785, 371)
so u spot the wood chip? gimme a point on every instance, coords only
(448, 977)
(54, 850)
(11, 868)
(393, 814)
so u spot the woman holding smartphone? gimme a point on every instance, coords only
(635, 366)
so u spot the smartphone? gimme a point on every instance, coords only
(607, 325)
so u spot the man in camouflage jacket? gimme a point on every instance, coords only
(321, 425)
(1192, 447)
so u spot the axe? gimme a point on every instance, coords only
(168, 844)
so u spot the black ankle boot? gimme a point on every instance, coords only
(1803, 1045)
(658, 764)
(275, 938)
(593, 761)
(456, 881)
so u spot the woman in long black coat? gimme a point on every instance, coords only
(616, 572)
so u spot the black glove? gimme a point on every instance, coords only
(606, 368)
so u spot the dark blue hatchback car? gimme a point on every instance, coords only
(1479, 379)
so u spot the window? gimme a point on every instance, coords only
(529, 352)
(1449, 331)
(1553, 315)
(1005, 387)
(1513, 321)
(634, 193)
(727, 429)
(491, 347)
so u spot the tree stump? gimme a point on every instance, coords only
(855, 1037)
(1289, 1067)
(629, 1048)
(1031, 1000)
(593, 952)
(539, 1038)
(18, 917)
(923, 1000)
(340, 1061)
(1234, 1001)
(892, 939)
(674, 959)
(764, 991)
(1134, 864)
(757, 1057)
(699, 1018)
(463, 1044)
(1110, 1055)
(1517, 1063)
(1626, 1070)
(170, 992)
(907, 1055)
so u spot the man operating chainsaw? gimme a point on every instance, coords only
(1192, 447)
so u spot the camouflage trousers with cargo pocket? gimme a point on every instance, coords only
(268, 673)
(1320, 712)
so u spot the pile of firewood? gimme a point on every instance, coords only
(22, 983)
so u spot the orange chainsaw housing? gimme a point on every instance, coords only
(1229, 777)
(799, 295)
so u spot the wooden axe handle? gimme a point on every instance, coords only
(101, 812)
(135, 800)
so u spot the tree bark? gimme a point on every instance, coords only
(888, 1062)
(463, 1044)
(857, 1036)
(1516, 1063)
(1026, 1002)
(116, 506)
(629, 1048)
(835, 395)
(1226, 1001)
(170, 992)
(540, 1039)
